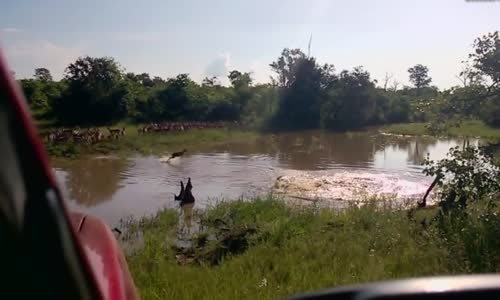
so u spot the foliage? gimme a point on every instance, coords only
(286, 66)
(302, 94)
(295, 249)
(468, 175)
(352, 103)
(486, 57)
(480, 94)
(469, 75)
(490, 111)
(312, 95)
(304, 248)
(305, 95)
(41, 95)
(303, 86)
(473, 238)
(42, 74)
(94, 93)
(419, 76)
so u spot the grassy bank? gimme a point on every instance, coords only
(152, 143)
(265, 249)
(467, 129)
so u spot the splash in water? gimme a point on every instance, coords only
(168, 159)
(348, 186)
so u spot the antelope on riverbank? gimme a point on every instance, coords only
(114, 133)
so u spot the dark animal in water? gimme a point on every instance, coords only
(185, 195)
(181, 193)
(117, 231)
(177, 154)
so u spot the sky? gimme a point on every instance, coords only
(210, 38)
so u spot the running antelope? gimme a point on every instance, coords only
(177, 154)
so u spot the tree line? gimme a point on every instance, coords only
(302, 94)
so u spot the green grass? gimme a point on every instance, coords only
(467, 129)
(298, 249)
(151, 143)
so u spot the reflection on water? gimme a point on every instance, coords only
(187, 227)
(92, 180)
(187, 216)
(140, 185)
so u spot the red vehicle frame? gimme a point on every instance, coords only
(47, 238)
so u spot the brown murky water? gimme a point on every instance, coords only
(113, 188)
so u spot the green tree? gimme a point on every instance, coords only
(240, 80)
(486, 58)
(42, 74)
(352, 102)
(35, 94)
(93, 94)
(241, 83)
(469, 75)
(145, 80)
(157, 80)
(210, 81)
(40, 93)
(303, 87)
(465, 176)
(480, 94)
(285, 66)
(172, 102)
(419, 76)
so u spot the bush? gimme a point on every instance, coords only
(467, 176)
(490, 112)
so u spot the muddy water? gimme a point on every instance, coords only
(113, 188)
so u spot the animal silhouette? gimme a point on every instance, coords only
(186, 199)
(185, 195)
(177, 154)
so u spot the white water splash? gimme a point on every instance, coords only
(168, 159)
(164, 158)
(349, 186)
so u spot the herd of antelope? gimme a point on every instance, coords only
(91, 136)
(87, 136)
(181, 126)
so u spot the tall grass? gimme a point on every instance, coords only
(471, 128)
(297, 249)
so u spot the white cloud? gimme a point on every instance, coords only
(26, 55)
(260, 71)
(220, 66)
(11, 30)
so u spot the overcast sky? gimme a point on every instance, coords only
(210, 37)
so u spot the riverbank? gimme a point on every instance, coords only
(163, 143)
(151, 143)
(267, 249)
(467, 129)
